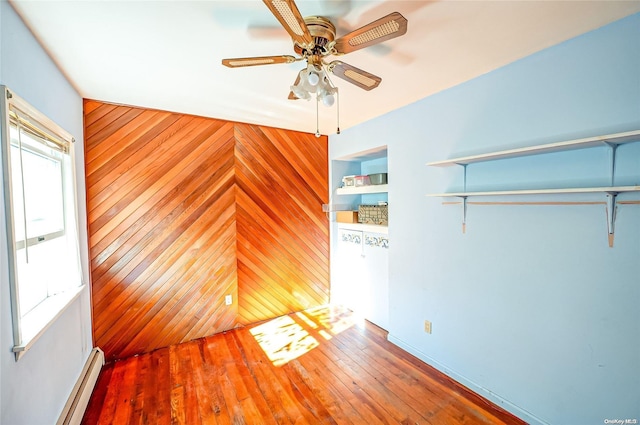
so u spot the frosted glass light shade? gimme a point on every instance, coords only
(328, 100)
(313, 78)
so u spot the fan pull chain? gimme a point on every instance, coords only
(338, 111)
(317, 116)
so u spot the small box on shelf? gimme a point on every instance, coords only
(361, 181)
(355, 181)
(374, 214)
(349, 181)
(347, 216)
(378, 178)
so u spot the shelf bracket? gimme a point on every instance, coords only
(613, 147)
(464, 214)
(464, 177)
(611, 215)
(464, 198)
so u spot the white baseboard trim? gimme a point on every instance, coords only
(489, 395)
(79, 398)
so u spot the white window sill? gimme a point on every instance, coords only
(37, 321)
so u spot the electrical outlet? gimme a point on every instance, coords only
(228, 300)
(427, 326)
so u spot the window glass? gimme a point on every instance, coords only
(38, 170)
(38, 209)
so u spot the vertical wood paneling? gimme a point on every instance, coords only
(184, 210)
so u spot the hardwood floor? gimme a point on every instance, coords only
(320, 366)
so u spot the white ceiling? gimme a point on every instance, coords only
(167, 54)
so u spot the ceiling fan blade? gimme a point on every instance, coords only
(391, 26)
(354, 75)
(289, 16)
(292, 95)
(259, 60)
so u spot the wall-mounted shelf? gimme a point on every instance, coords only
(589, 142)
(610, 140)
(361, 190)
(606, 189)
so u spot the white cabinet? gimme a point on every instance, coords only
(347, 265)
(360, 279)
(376, 277)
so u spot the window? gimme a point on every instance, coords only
(40, 205)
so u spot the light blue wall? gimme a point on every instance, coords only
(3, 236)
(34, 390)
(530, 307)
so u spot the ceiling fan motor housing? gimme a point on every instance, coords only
(323, 33)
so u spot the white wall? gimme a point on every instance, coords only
(530, 307)
(34, 390)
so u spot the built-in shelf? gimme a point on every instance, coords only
(361, 190)
(371, 228)
(610, 140)
(589, 142)
(359, 252)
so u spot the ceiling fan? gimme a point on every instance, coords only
(314, 39)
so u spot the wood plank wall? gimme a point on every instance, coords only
(283, 235)
(184, 210)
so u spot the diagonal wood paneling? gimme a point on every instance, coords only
(162, 227)
(184, 210)
(283, 241)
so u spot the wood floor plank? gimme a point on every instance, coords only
(385, 402)
(142, 375)
(332, 372)
(420, 370)
(97, 401)
(369, 380)
(123, 394)
(401, 379)
(300, 378)
(262, 404)
(238, 372)
(159, 412)
(279, 394)
(314, 367)
(211, 374)
(312, 381)
(426, 401)
(347, 404)
(241, 408)
(205, 404)
(186, 379)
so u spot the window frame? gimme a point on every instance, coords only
(29, 327)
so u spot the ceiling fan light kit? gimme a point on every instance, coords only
(313, 40)
(313, 79)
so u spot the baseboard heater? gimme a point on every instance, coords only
(79, 399)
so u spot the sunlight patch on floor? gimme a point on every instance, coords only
(335, 319)
(284, 339)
